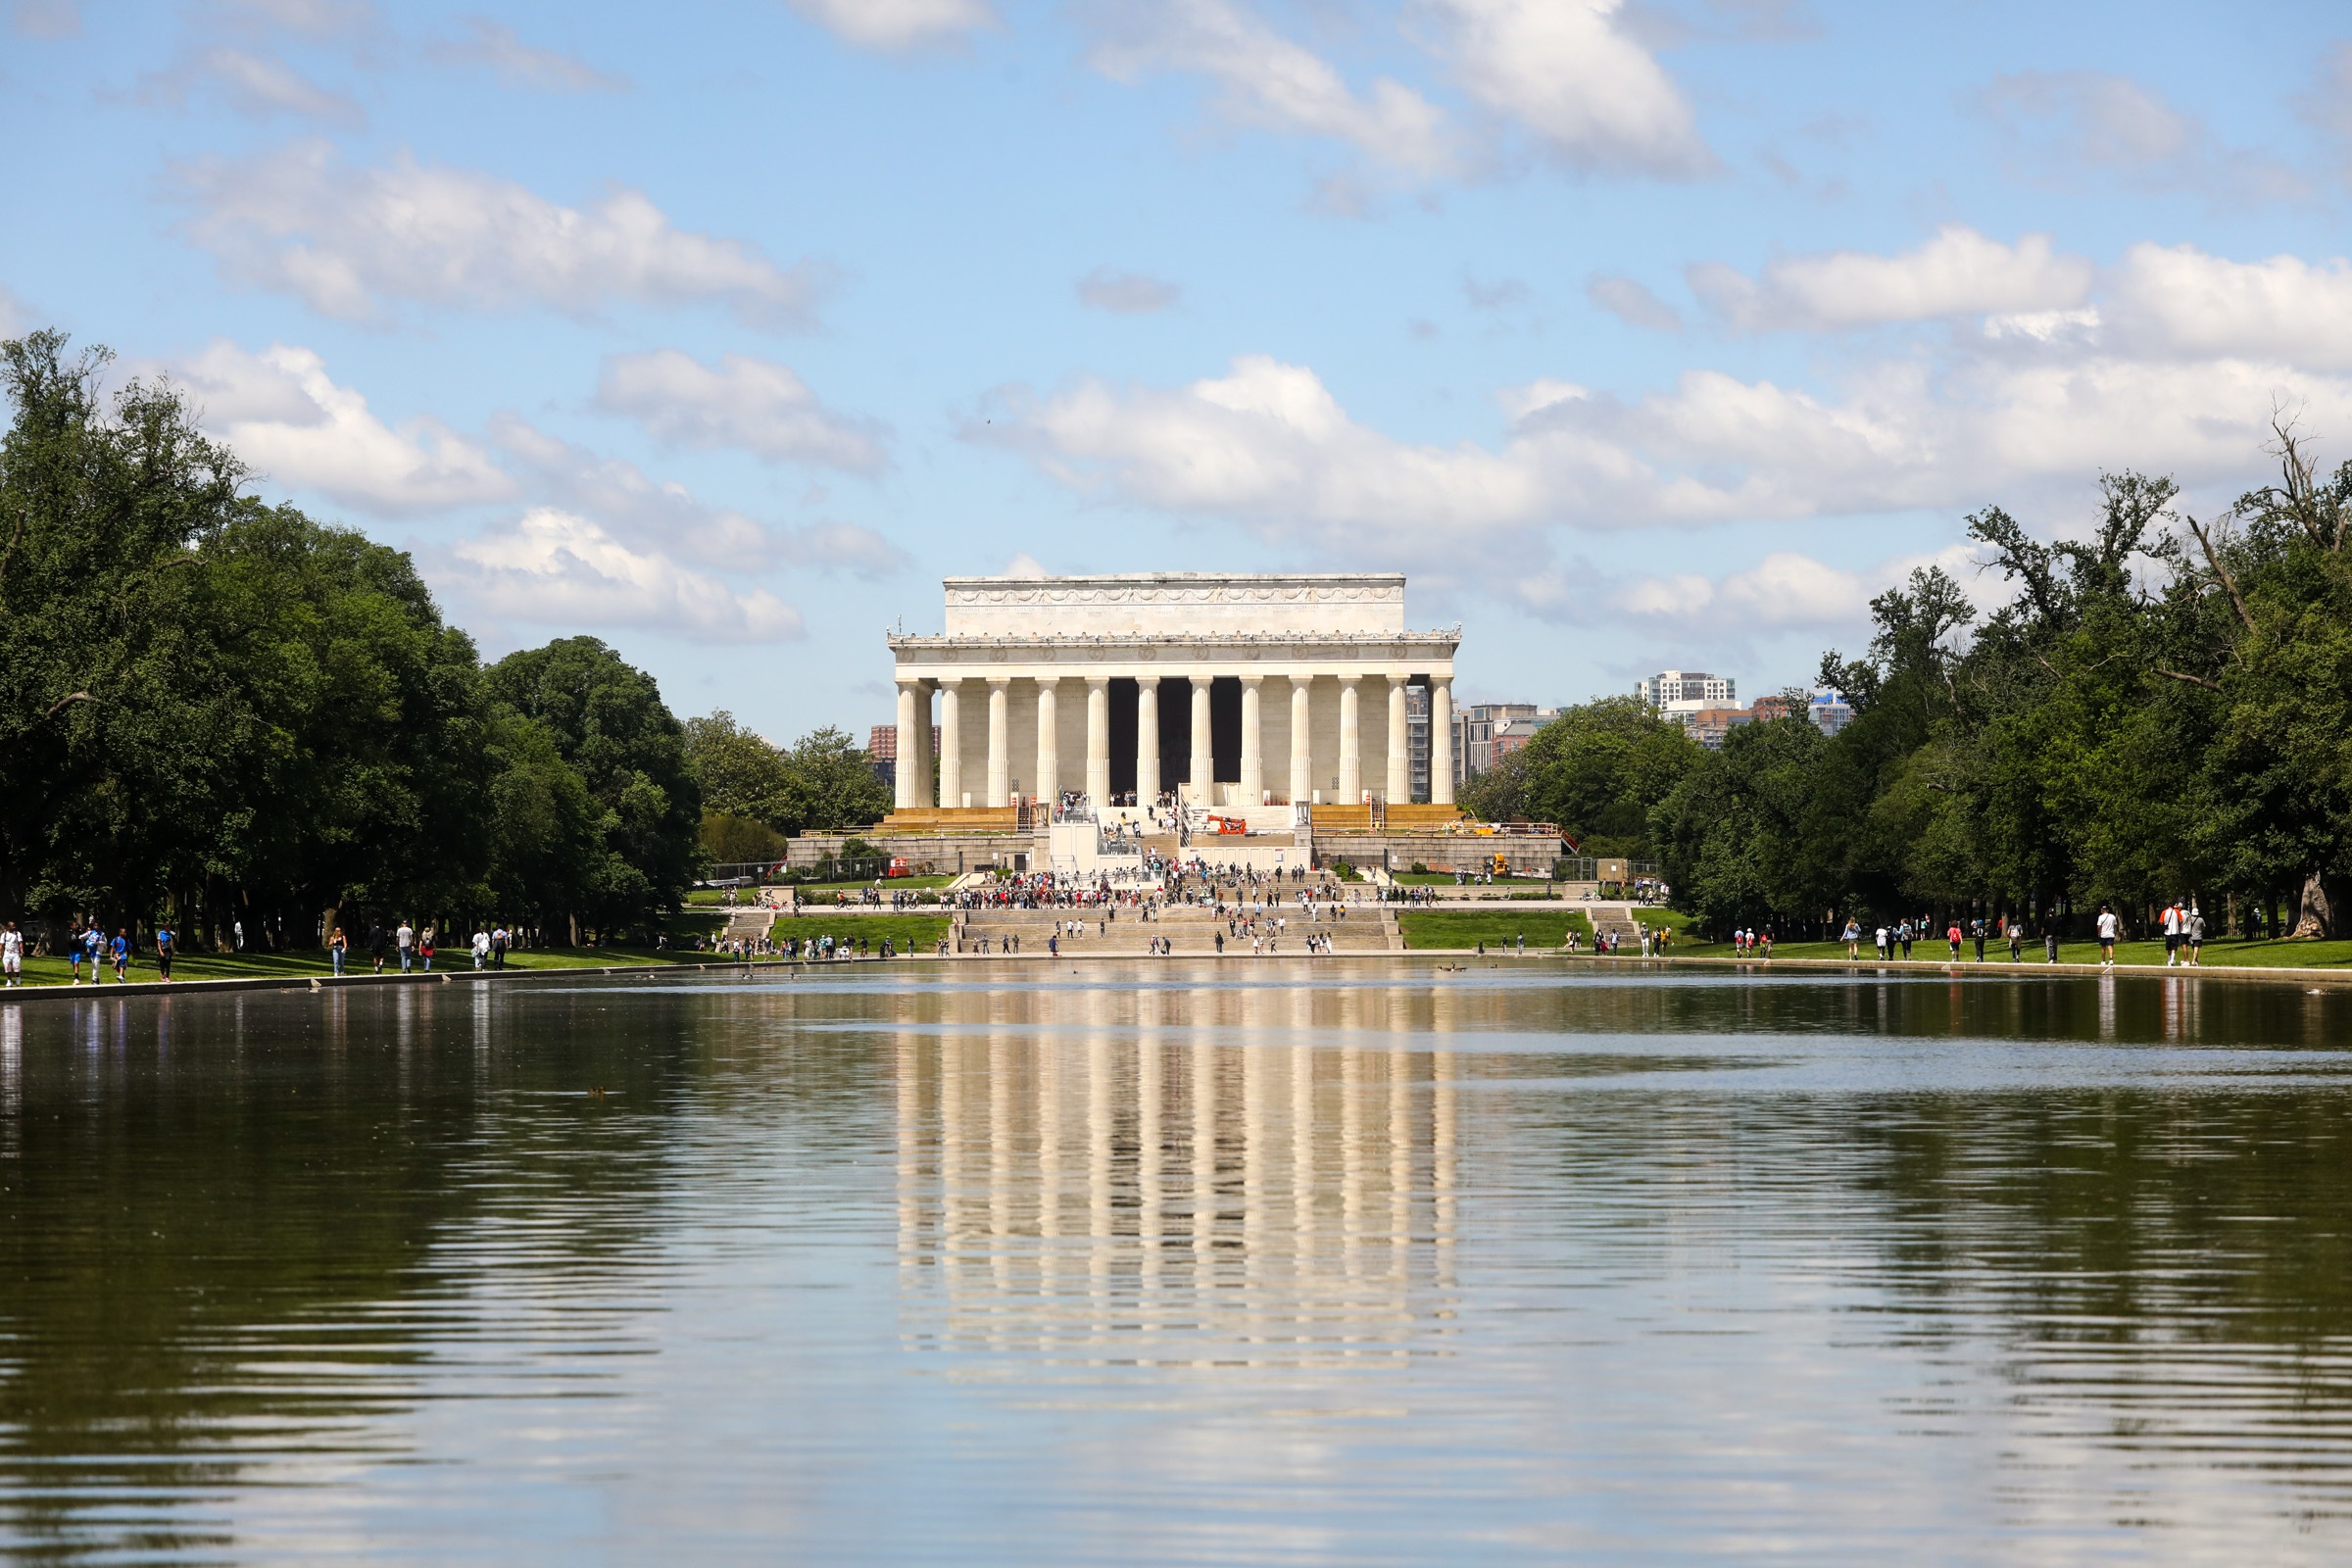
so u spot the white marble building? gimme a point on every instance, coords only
(1228, 690)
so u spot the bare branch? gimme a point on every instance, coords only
(69, 697)
(2213, 559)
(2193, 680)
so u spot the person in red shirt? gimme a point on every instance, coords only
(1953, 937)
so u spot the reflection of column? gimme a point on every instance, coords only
(1400, 766)
(999, 740)
(903, 767)
(1302, 752)
(1150, 1192)
(951, 743)
(1146, 739)
(1253, 760)
(1204, 1160)
(1204, 768)
(1441, 739)
(1049, 742)
(1351, 745)
(1097, 741)
(1441, 1160)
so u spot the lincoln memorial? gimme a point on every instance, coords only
(1218, 691)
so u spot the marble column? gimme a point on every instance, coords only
(1302, 746)
(951, 743)
(1204, 774)
(903, 767)
(999, 740)
(1048, 787)
(1441, 740)
(1401, 761)
(1351, 743)
(1253, 755)
(923, 794)
(1146, 739)
(1097, 741)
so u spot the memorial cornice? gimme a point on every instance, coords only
(1181, 588)
(1150, 646)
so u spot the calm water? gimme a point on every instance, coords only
(1307, 1265)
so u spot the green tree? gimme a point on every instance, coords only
(1596, 771)
(609, 722)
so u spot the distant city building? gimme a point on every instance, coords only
(882, 745)
(1476, 725)
(1778, 705)
(1682, 691)
(1830, 711)
(1709, 726)
(1516, 735)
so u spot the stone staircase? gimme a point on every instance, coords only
(1192, 930)
(1615, 919)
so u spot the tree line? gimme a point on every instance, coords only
(2162, 710)
(223, 712)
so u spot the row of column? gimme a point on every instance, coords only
(915, 739)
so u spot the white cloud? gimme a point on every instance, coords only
(254, 85)
(1958, 272)
(316, 19)
(1270, 81)
(2062, 125)
(843, 547)
(1025, 566)
(1268, 446)
(1592, 96)
(2178, 299)
(281, 413)
(760, 406)
(621, 497)
(494, 46)
(45, 19)
(1126, 293)
(895, 25)
(1632, 302)
(14, 319)
(557, 567)
(2328, 107)
(348, 242)
(1784, 589)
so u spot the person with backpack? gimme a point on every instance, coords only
(2110, 928)
(166, 944)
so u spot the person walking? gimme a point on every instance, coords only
(501, 939)
(1853, 937)
(74, 956)
(2017, 940)
(2049, 940)
(405, 939)
(481, 950)
(2196, 936)
(236, 935)
(1977, 927)
(2109, 929)
(2172, 933)
(122, 954)
(12, 954)
(93, 944)
(336, 946)
(424, 947)
(375, 944)
(164, 945)
(1902, 936)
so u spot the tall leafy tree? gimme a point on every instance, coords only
(608, 720)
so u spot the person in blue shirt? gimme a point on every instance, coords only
(165, 942)
(74, 956)
(93, 942)
(122, 954)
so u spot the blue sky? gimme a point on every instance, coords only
(1637, 335)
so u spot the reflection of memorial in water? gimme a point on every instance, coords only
(1133, 1178)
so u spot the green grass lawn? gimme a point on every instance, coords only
(896, 884)
(293, 965)
(2134, 954)
(913, 933)
(1545, 928)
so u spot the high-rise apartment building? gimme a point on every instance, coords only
(1684, 690)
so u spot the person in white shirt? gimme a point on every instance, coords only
(2172, 935)
(406, 938)
(2109, 928)
(481, 950)
(12, 953)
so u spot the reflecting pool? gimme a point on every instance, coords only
(1285, 1262)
